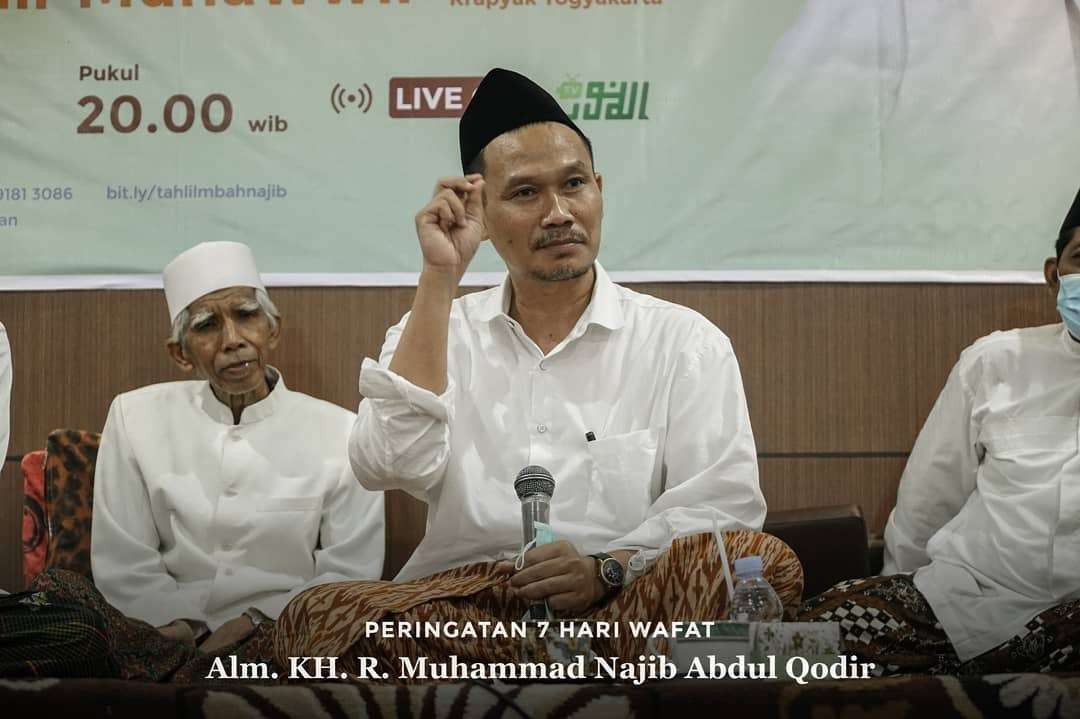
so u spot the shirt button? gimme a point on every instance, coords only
(230, 491)
(543, 367)
(541, 428)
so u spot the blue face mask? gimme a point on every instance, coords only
(1068, 303)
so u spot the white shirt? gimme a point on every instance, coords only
(198, 518)
(656, 383)
(988, 510)
(5, 393)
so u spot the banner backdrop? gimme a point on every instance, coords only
(819, 139)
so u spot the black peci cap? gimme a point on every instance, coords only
(1072, 221)
(504, 101)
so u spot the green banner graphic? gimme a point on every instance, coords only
(813, 136)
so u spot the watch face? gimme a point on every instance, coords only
(611, 572)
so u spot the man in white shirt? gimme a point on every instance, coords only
(982, 552)
(634, 404)
(217, 500)
(5, 393)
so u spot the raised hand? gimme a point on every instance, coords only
(451, 227)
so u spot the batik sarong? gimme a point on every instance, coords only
(685, 583)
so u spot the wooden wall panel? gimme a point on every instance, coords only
(869, 482)
(829, 369)
(406, 518)
(74, 351)
(852, 367)
(11, 511)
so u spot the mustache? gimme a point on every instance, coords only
(236, 361)
(559, 237)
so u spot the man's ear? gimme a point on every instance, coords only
(1050, 273)
(600, 186)
(176, 354)
(275, 334)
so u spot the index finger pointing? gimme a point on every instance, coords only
(474, 200)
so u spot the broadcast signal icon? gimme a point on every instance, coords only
(340, 98)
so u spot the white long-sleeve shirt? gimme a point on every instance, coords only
(5, 393)
(656, 383)
(988, 511)
(199, 518)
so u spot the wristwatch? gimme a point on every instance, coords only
(610, 572)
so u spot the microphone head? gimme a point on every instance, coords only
(534, 480)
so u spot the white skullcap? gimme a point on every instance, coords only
(205, 268)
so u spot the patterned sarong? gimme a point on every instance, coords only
(41, 638)
(685, 583)
(887, 620)
(121, 647)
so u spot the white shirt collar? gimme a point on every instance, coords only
(604, 308)
(220, 412)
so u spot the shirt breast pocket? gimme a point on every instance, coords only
(288, 525)
(1029, 451)
(621, 478)
(1023, 436)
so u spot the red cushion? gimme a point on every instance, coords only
(34, 529)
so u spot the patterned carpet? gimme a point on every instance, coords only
(1037, 696)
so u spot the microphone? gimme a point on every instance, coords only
(534, 486)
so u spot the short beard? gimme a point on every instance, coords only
(560, 273)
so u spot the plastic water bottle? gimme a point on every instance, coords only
(754, 600)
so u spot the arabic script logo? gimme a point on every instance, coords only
(604, 100)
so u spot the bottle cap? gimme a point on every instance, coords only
(748, 566)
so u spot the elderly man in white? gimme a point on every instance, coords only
(5, 393)
(982, 552)
(220, 498)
